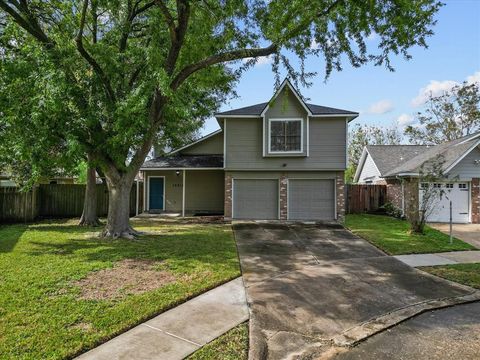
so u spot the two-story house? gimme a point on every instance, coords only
(283, 159)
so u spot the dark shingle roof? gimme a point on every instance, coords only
(388, 157)
(449, 152)
(256, 110)
(185, 161)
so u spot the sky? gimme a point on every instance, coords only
(382, 97)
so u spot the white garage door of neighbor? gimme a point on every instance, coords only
(459, 194)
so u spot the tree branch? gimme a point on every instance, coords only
(220, 58)
(85, 54)
(31, 27)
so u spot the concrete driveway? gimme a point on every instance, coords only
(470, 233)
(313, 287)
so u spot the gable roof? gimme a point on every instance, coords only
(387, 157)
(203, 138)
(451, 152)
(259, 110)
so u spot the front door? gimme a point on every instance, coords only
(156, 192)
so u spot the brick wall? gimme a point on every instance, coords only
(476, 200)
(340, 184)
(394, 193)
(228, 197)
(283, 197)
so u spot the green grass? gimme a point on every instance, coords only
(467, 274)
(231, 346)
(41, 313)
(393, 236)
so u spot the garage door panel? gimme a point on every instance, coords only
(311, 199)
(255, 199)
(459, 195)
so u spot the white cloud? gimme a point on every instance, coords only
(436, 88)
(475, 78)
(381, 107)
(405, 120)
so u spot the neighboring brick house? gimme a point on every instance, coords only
(397, 165)
(282, 159)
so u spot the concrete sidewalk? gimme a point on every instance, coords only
(445, 258)
(182, 330)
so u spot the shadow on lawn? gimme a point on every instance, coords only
(181, 248)
(9, 236)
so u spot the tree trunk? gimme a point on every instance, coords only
(118, 219)
(89, 215)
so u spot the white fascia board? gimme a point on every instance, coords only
(196, 142)
(363, 158)
(287, 83)
(238, 116)
(455, 163)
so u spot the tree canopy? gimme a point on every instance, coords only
(123, 70)
(449, 116)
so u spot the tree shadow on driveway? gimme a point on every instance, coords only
(312, 283)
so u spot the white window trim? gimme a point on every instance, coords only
(301, 151)
(148, 190)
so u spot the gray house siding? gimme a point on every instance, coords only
(210, 146)
(369, 171)
(327, 146)
(204, 190)
(467, 168)
(286, 106)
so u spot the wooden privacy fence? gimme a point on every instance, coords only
(55, 200)
(365, 198)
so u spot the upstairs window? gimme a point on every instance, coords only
(285, 135)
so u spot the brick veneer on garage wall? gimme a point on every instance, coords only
(394, 193)
(340, 190)
(476, 200)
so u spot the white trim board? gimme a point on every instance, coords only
(286, 82)
(196, 141)
(174, 169)
(456, 162)
(270, 152)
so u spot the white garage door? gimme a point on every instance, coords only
(311, 199)
(459, 194)
(255, 199)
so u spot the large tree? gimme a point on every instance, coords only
(362, 135)
(138, 59)
(449, 116)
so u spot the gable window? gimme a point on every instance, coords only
(285, 135)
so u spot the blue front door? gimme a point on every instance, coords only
(156, 193)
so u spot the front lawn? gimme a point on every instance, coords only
(467, 274)
(64, 291)
(392, 235)
(232, 345)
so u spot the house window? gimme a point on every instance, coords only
(286, 135)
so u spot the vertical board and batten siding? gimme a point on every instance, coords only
(365, 198)
(467, 169)
(369, 171)
(54, 201)
(327, 146)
